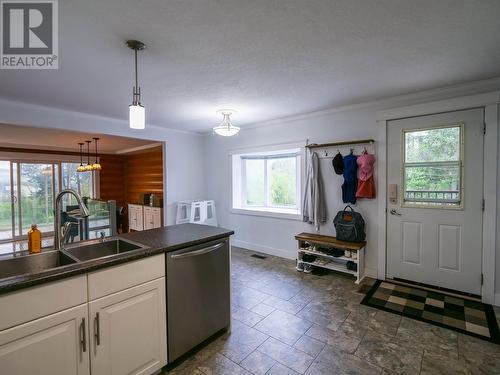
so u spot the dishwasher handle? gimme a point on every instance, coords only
(205, 250)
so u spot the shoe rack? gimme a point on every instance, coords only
(320, 247)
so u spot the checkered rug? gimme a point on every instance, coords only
(459, 314)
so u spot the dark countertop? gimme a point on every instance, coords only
(160, 240)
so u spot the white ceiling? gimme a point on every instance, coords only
(65, 140)
(266, 58)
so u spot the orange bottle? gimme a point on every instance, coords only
(34, 240)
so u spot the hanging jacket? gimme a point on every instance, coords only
(366, 184)
(350, 184)
(314, 204)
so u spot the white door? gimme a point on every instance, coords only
(434, 222)
(129, 331)
(53, 345)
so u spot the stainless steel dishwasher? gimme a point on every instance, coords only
(198, 295)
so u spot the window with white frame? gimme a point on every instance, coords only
(267, 181)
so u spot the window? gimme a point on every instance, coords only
(433, 167)
(267, 181)
(81, 182)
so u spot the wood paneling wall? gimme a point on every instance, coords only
(112, 178)
(126, 178)
(144, 174)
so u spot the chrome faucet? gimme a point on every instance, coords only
(61, 233)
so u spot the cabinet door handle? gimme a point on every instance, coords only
(97, 330)
(83, 336)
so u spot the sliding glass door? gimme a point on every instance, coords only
(6, 202)
(28, 190)
(36, 188)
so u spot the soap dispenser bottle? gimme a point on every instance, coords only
(34, 240)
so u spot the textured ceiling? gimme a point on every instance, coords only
(265, 58)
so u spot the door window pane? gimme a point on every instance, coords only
(432, 145)
(433, 166)
(255, 187)
(282, 174)
(433, 184)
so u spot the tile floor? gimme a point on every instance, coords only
(288, 322)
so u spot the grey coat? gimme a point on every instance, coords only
(314, 203)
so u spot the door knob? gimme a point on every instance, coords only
(395, 213)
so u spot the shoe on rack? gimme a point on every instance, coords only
(308, 268)
(300, 266)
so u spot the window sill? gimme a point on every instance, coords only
(276, 213)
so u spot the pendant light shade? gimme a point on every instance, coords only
(136, 111)
(136, 116)
(226, 128)
(88, 167)
(96, 166)
(81, 167)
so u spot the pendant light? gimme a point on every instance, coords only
(96, 166)
(226, 128)
(81, 167)
(136, 112)
(88, 167)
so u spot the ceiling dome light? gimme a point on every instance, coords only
(136, 112)
(226, 128)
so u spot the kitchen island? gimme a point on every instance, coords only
(111, 314)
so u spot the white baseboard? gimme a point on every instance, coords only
(497, 299)
(265, 249)
(370, 272)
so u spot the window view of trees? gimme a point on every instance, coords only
(37, 195)
(34, 199)
(271, 182)
(255, 182)
(282, 182)
(432, 165)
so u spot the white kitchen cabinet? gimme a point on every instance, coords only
(56, 344)
(144, 217)
(110, 321)
(152, 217)
(128, 331)
(135, 217)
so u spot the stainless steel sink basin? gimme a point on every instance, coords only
(98, 249)
(35, 263)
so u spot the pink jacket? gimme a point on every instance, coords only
(365, 166)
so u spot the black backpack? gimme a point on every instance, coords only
(349, 225)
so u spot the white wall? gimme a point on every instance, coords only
(184, 152)
(276, 236)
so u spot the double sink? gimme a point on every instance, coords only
(72, 254)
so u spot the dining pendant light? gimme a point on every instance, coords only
(81, 167)
(88, 167)
(136, 112)
(226, 128)
(96, 166)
